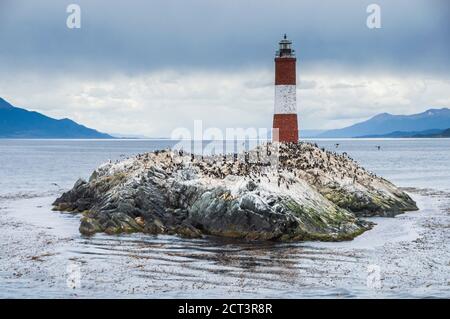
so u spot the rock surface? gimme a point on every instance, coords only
(274, 192)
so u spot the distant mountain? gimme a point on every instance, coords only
(441, 134)
(20, 123)
(386, 123)
(401, 134)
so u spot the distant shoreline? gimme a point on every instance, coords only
(168, 139)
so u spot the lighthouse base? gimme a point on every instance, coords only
(286, 125)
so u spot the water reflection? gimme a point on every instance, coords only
(215, 261)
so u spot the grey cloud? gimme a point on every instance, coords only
(306, 85)
(347, 86)
(147, 67)
(137, 36)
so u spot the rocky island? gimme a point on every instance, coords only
(277, 191)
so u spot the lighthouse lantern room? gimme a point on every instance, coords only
(285, 123)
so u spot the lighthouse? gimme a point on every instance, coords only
(285, 123)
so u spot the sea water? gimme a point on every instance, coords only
(42, 253)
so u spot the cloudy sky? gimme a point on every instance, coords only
(148, 67)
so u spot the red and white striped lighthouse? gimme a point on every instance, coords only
(285, 115)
